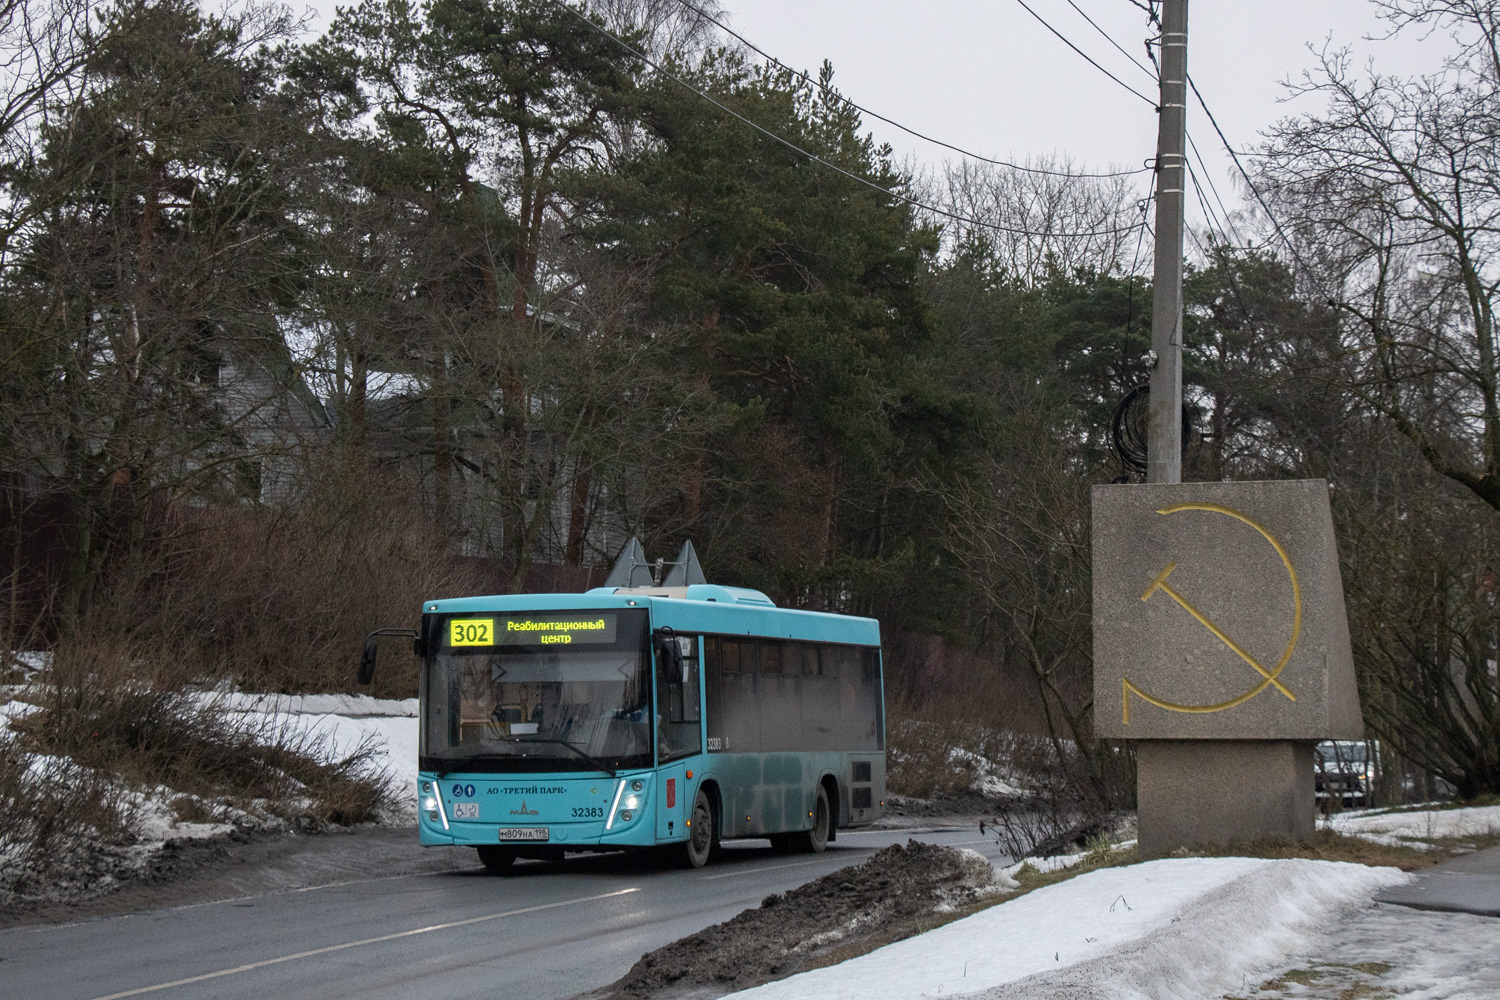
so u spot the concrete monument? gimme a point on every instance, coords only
(1221, 645)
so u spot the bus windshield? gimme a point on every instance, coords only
(543, 707)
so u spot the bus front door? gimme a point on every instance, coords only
(672, 802)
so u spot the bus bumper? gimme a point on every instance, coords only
(537, 811)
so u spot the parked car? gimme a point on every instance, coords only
(1345, 771)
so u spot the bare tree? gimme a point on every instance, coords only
(1021, 533)
(1392, 193)
(1054, 221)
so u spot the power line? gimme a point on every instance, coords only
(1110, 39)
(818, 159)
(1241, 167)
(1085, 55)
(1214, 188)
(1145, 212)
(890, 121)
(1216, 229)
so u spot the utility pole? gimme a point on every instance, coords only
(1164, 427)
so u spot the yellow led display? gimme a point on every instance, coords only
(471, 632)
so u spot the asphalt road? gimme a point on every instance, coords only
(551, 930)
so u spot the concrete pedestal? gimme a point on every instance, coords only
(1195, 793)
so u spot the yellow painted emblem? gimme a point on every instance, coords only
(1269, 678)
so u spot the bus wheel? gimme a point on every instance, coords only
(814, 840)
(700, 842)
(496, 859)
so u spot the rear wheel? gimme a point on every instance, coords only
(815, 840)
(496, 859)
(700, 842)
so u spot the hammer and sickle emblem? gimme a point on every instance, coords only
(1268, 677)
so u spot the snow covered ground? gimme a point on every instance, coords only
(1180, 927)
(345, 719)
(1382, 951)
(1417, 828)
(345, 705)
(395, 738)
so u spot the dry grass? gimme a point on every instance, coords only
(152, 737)
(48, 807)
(935, 738)
(276, 599)
(1327, 845)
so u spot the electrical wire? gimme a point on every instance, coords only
(1214, 225)
(1241, 167)
(1110, 39)
(818, 159)
(1085, 55)
(1212, 187)
(891, 121)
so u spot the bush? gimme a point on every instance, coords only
(51, 809)
(152, 736)
(276, 599)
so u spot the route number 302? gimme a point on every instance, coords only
(471, 632)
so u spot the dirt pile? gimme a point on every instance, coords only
(897, 892)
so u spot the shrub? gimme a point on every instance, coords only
(154, 736)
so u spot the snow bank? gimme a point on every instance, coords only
(1180, 927)
(1414, 829)
(395, 740)
(1424, 955)
(986, 781)
(154, 820)
(14, 710)
(345, 720)
(351, 705)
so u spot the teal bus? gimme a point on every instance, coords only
(666, 717)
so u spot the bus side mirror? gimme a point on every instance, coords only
(366, 672)
(367, 661)
(670, 651)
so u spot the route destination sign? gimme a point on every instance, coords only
(539, 630)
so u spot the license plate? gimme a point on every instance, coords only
(524, 833)
(466, 810)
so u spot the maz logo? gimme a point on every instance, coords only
(523, 811)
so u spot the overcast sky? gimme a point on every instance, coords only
(986, 76)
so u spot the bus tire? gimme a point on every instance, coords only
(815, 840)
(495, 858)
(701, 833)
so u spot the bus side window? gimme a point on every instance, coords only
(691, 707)
(770, 656)
(677, 702)
(713, 690)
(682, 690)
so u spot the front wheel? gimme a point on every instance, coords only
(700, 842)
(496, 859)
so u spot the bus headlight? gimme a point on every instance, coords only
(625, 815)
(430, 804)
(632, 802)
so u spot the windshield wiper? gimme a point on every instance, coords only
(564, 743)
